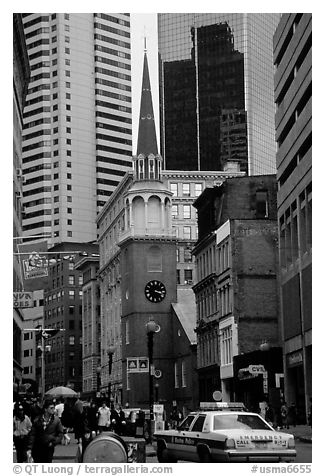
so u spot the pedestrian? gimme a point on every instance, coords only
(46, 433)
(35, 409)
(309, 416)
(104, 417)
(292, 414)
(22, 426)
(79, 422)
(92, 411)
(59, 407)
(67, 415)
(115, 423)
(269, 415)
(121, 430)
(284, 415)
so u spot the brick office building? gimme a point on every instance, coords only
(236, 289)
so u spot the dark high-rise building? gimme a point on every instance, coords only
(216, 90)
(293, 121)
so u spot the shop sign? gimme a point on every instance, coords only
(294, 358)
(256, 369)
(23, 299)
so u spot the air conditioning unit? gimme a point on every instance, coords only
(19, 173)
(19, 194)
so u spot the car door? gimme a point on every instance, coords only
(194, 435)
(179, 443)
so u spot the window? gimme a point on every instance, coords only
(66, 16)
(261, 204)
(184, 376)
(67, 51)
(80, 280)
(198, 189)
(67, 73)
(127, 332)
(186, 211)
(67, 39)
(186, 189)
(187, 255)
(198, 425)
(226, 345)
(187, 232)
(71, 266)
(173, 188)
(176, 374)
(71, 294)
(174, 211)
(71, 310)
(68, 85)
(68, 118)
(68, 107)
(71, 340)
(178, 276)
(154, 259)
(68, 95)
(185, 426)
(71, 279)
(188, 277)
(68, 130)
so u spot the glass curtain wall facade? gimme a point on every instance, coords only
(77, 138)
(216, 90)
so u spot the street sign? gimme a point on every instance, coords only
(23, 299)
(137, 364)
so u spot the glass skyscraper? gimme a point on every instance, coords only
(216, 90)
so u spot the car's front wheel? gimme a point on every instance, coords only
(163, 456)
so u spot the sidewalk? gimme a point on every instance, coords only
(301, 432)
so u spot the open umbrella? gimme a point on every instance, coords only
(61, 392)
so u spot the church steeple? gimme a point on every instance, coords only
(147, 140)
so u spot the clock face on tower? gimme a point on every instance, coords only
(155, 291)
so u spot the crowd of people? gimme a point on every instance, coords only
(39, 428)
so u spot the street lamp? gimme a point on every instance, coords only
(151, 327)
(110, 352)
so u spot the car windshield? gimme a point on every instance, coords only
(239, 422)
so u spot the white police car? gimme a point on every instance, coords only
(223, 432)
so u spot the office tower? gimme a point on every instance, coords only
(293, 122)
(77, 120)
(21, 74)
(216, 90)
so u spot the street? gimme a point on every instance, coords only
(66, 454)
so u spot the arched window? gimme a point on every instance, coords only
(154, 212)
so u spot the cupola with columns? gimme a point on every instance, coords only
(148, 201)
